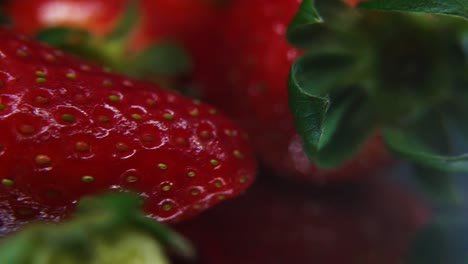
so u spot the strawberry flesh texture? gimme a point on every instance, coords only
(372, 223)
(244, 70)
(64, 119)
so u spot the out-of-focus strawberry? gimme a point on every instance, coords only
(281, 223)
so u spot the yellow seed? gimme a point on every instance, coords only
(194, 192)
(40, 74)
(242, 179)
(228, 132)
(107, 83)
(136, 116)
(87, 178)
(2, 107)
(238, 154)
(40, 80)
(191, 174)
(71, 75)
(103, 118)
(214, 162)
(150, 102)
(26, 129)
(168, 116)
(42, 159)
(21, 52)
(114, 98)
(194, 112)
(218, 184)
(68, 117)
(82, 146)
(162, 166)
(7, 182)
(167, 206)
(131, 178)
(213, 111)
(205, 134)
(41, 100)
(121, 147)
(221, 196)
(166, 187)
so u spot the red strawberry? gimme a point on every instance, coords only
(247, 78)
(369, 224)
(97, 16)
(68, 128)
(158, 21)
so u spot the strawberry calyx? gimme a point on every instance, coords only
(403, 73)
(90, 236)
(115, 50)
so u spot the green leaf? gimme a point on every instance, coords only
(446, 7)
(316, 23)
(63, 37)
(411, 148)
(303, 22)
(126, 23)
(331, 130)
(108, 228)
(164, 58)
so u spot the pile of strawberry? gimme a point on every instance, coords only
(314, 91)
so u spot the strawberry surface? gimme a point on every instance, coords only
(68, 128)
(371, 223)
(244, 71)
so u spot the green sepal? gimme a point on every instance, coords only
(164, 58)
(126, 23)
(109, 227)
(316, 22)
(63, 37)
(332, 130)
(81, 43)
(457, 8)
(412, 149)
(304, 24)
(160, 59)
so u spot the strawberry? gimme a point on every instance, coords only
(248, 80)
(370, 223)
(69, 128)
(160, 19)
(127, 40)
(97, 16)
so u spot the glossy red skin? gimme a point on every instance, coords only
(244, 72)
(159, 19)
(182, 134)
(276, 222)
